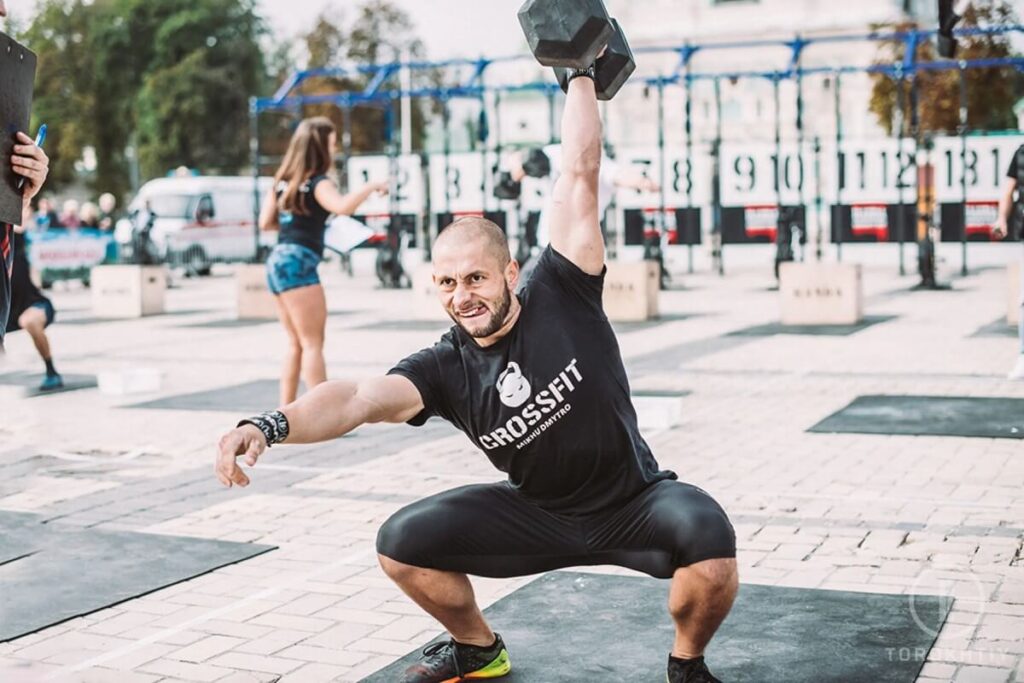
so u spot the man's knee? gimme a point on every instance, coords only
(719, 576)
(710, 583)
(701, 529)
(406, 537)
(390, 535)
(395, 570)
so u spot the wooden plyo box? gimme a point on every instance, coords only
(631, 291)
(658, 409)
(126, 291)
(821, 294)
(253, 300)
(1015, 294)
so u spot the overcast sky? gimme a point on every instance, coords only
(448, 28)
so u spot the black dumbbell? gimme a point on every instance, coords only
(611, 70)
(565, 33)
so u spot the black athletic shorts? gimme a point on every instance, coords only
(493, 530)
(43, 305)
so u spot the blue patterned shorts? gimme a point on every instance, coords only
(290, 266)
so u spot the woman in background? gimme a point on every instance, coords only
(298, 204)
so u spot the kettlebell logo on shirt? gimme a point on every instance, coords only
(549, 406)
(513, 389)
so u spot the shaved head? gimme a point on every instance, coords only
(475, 277)
(470, 228)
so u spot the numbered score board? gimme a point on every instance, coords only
(860, 185)
(407, 193)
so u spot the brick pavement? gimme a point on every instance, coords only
(892, 514)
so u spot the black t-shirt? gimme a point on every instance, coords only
(6, 262)
(305, 229)
(24, 292)
(549, 402)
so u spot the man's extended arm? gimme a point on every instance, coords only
(329, 411)
(575, 223)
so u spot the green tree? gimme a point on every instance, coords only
(172, 75)
(193, 105)
(64, 93)
(325, 44)
(381, 32)
(991, 92)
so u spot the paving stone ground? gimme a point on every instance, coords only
(890, 514)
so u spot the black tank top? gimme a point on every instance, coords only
(306, 230)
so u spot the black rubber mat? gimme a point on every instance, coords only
(674, 357)
(996, 328)
(94, 320)
(229, 323)
(994, 418)
(639, 325)
(407, 325)
(811, 330)
(568, 627)
(260, 395)
(250, 397)
(659, 393)
(62, 572)
(30, 381)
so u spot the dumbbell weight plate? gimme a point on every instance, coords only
(611, 70)
(565, 33)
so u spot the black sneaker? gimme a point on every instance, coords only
(449, 662)
(691, 672)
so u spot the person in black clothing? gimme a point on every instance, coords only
(298, 205)
(108, 211)
(1011, 213)
(32, 163)
(46, 218)
(536, 381)
(30, 310)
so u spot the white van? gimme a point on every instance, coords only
(200, 219)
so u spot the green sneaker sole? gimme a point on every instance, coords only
(500, 666)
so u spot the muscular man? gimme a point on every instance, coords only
(1008, 205)
(32, 163)
(536, 381)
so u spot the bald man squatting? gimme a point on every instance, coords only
(536, 381)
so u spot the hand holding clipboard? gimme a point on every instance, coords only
(30, 161)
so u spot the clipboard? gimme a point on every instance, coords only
(345, 233)
(17, 75)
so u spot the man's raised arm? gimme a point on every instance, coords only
(330, 410)
(575, 223)
(592, 60)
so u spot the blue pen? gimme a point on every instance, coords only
(40, 139)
